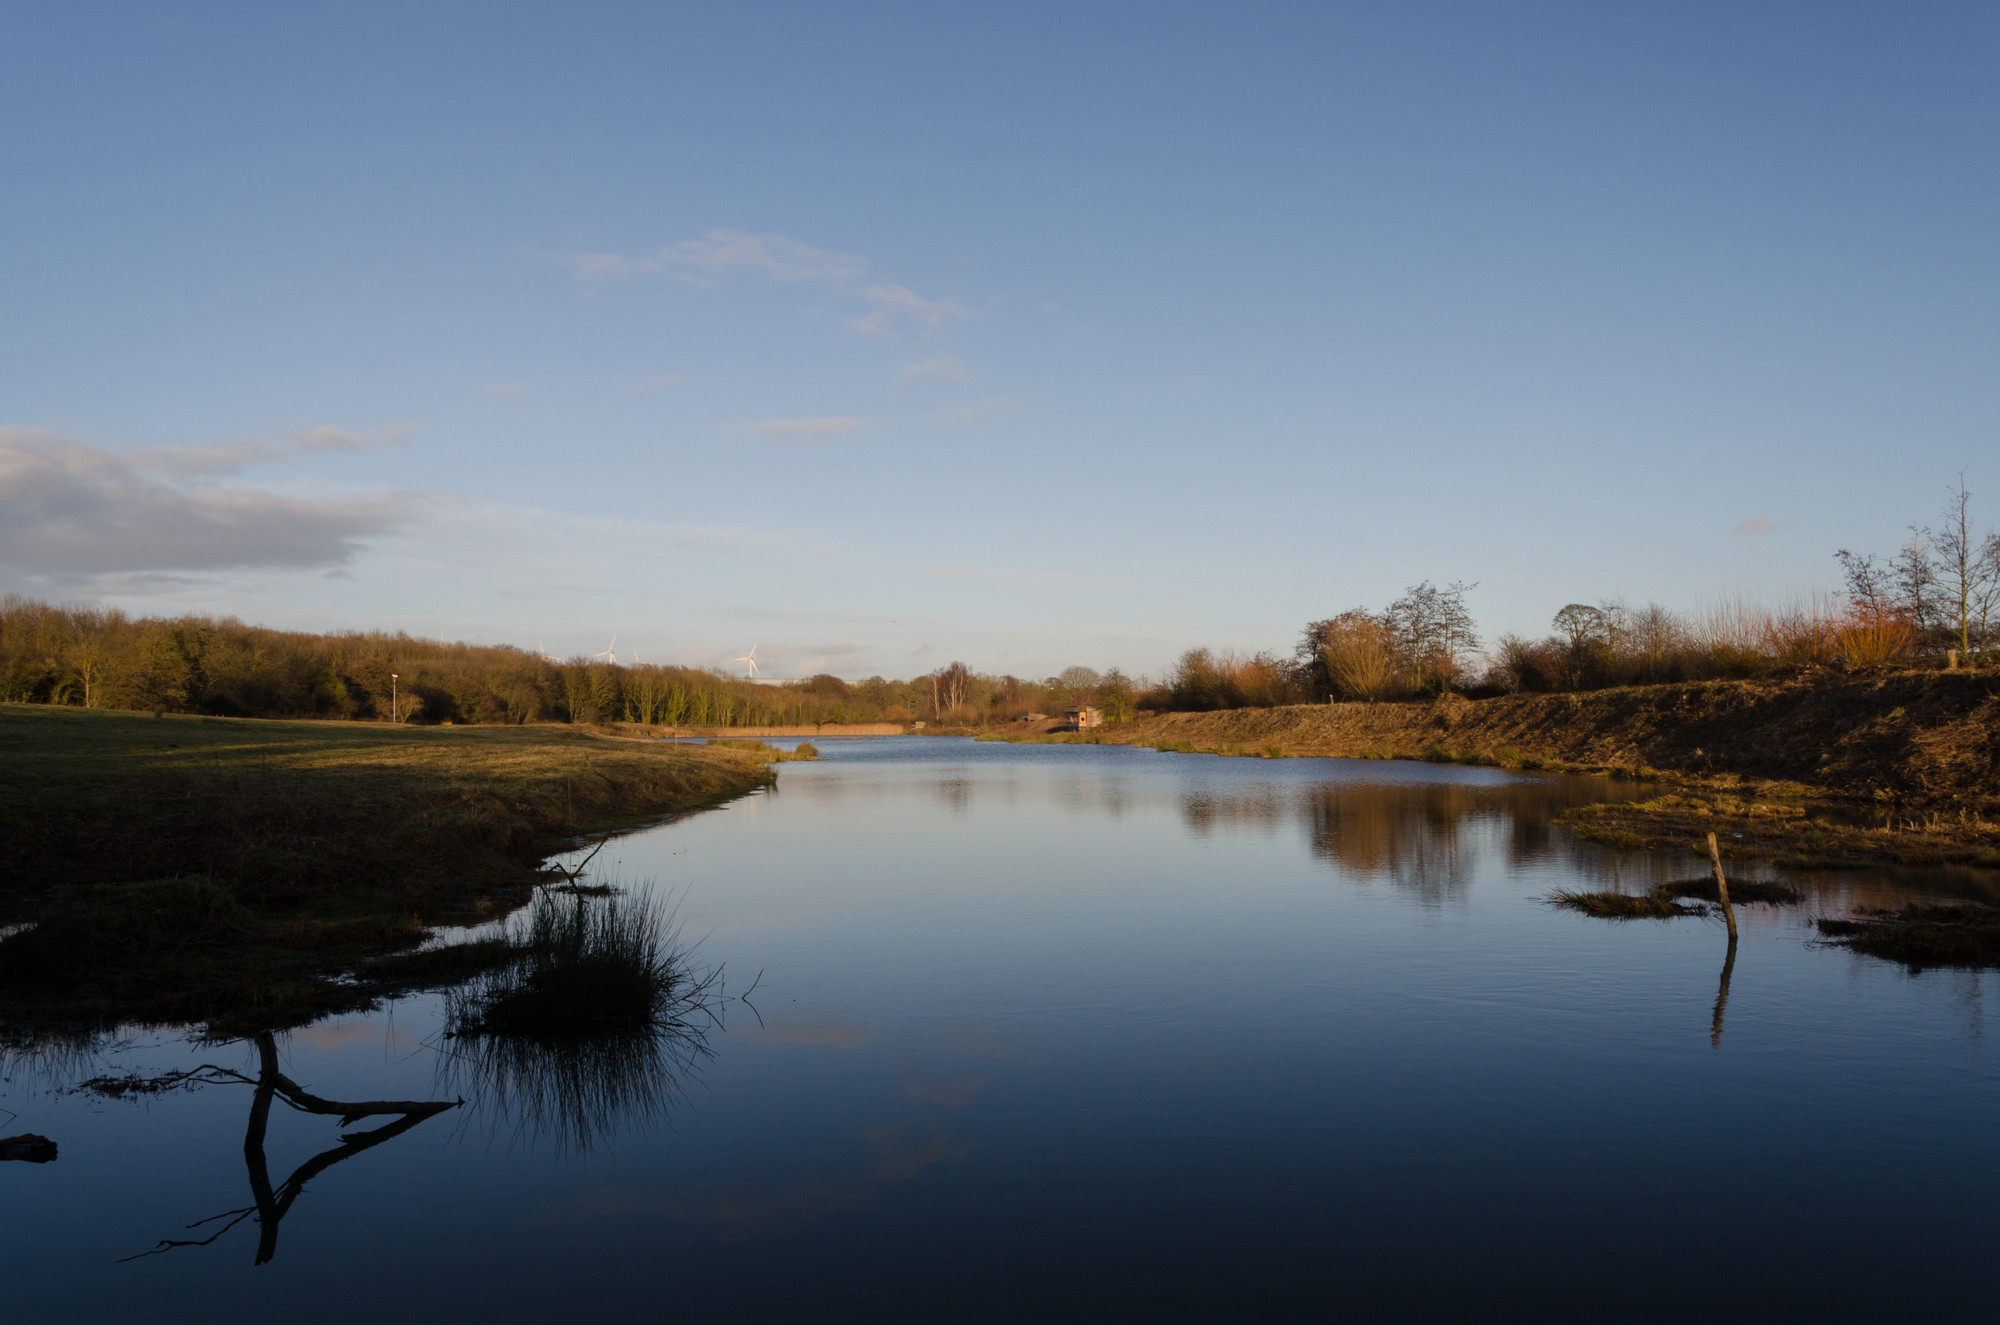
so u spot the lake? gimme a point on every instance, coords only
(1091, 1031)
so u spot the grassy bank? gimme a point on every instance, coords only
(207, 869)
(1901, 767)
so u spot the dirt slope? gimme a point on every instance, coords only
(1922, 737)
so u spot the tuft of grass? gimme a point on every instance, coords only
(1665, 901)
(1624, 906)
(583, 966)
(1740, 891)
(1965, 935)
(1274, 751)
(764, 750)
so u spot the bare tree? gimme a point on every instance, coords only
(1077, 683)
(948, 687)
(1988, 602)
(576, 690)
(1915, 577)
(89, 655)
(1967, 570)
(1656, 634)
(1434, 627)
(1582, 625)
(1871, 586)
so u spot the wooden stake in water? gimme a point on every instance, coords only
(1722, 887)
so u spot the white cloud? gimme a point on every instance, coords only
(721, 253)
(824, 426)
(937, 368)
(897, 299)
(1759, 524)
(70, 510)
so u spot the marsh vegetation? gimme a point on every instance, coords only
(237, 868)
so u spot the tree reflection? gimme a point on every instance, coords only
(1423, 836)
(1412, 835)
(271, 1202)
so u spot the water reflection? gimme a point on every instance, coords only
(575, 1093)
(1722, 997)
(1414, 837)
(270, 1202)
(1423, 837)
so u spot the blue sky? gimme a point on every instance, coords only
(885, 335)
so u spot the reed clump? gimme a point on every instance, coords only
(1665, 901)
(1964, 935)
(770, 754)
(1624, 906)
(583, 966)
(1740, 891)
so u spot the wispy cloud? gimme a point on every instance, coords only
(326, 437)
(506, 390)
(889, 300)
(832, 425)
(1759, 524)
(720, 253)
(937, 368)
(70, 510)
(230, 457)
(723, 253)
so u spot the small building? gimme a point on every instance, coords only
(1079, 718)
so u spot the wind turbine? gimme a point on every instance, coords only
(611, 653)
(750, 658)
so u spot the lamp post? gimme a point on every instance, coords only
(393, 719)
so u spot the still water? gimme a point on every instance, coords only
(1091, 1032)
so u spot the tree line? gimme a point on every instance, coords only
(95, 657)
(101, 658)
(1938, 597)
(1939, 593)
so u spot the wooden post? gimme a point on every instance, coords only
(1722, 887)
